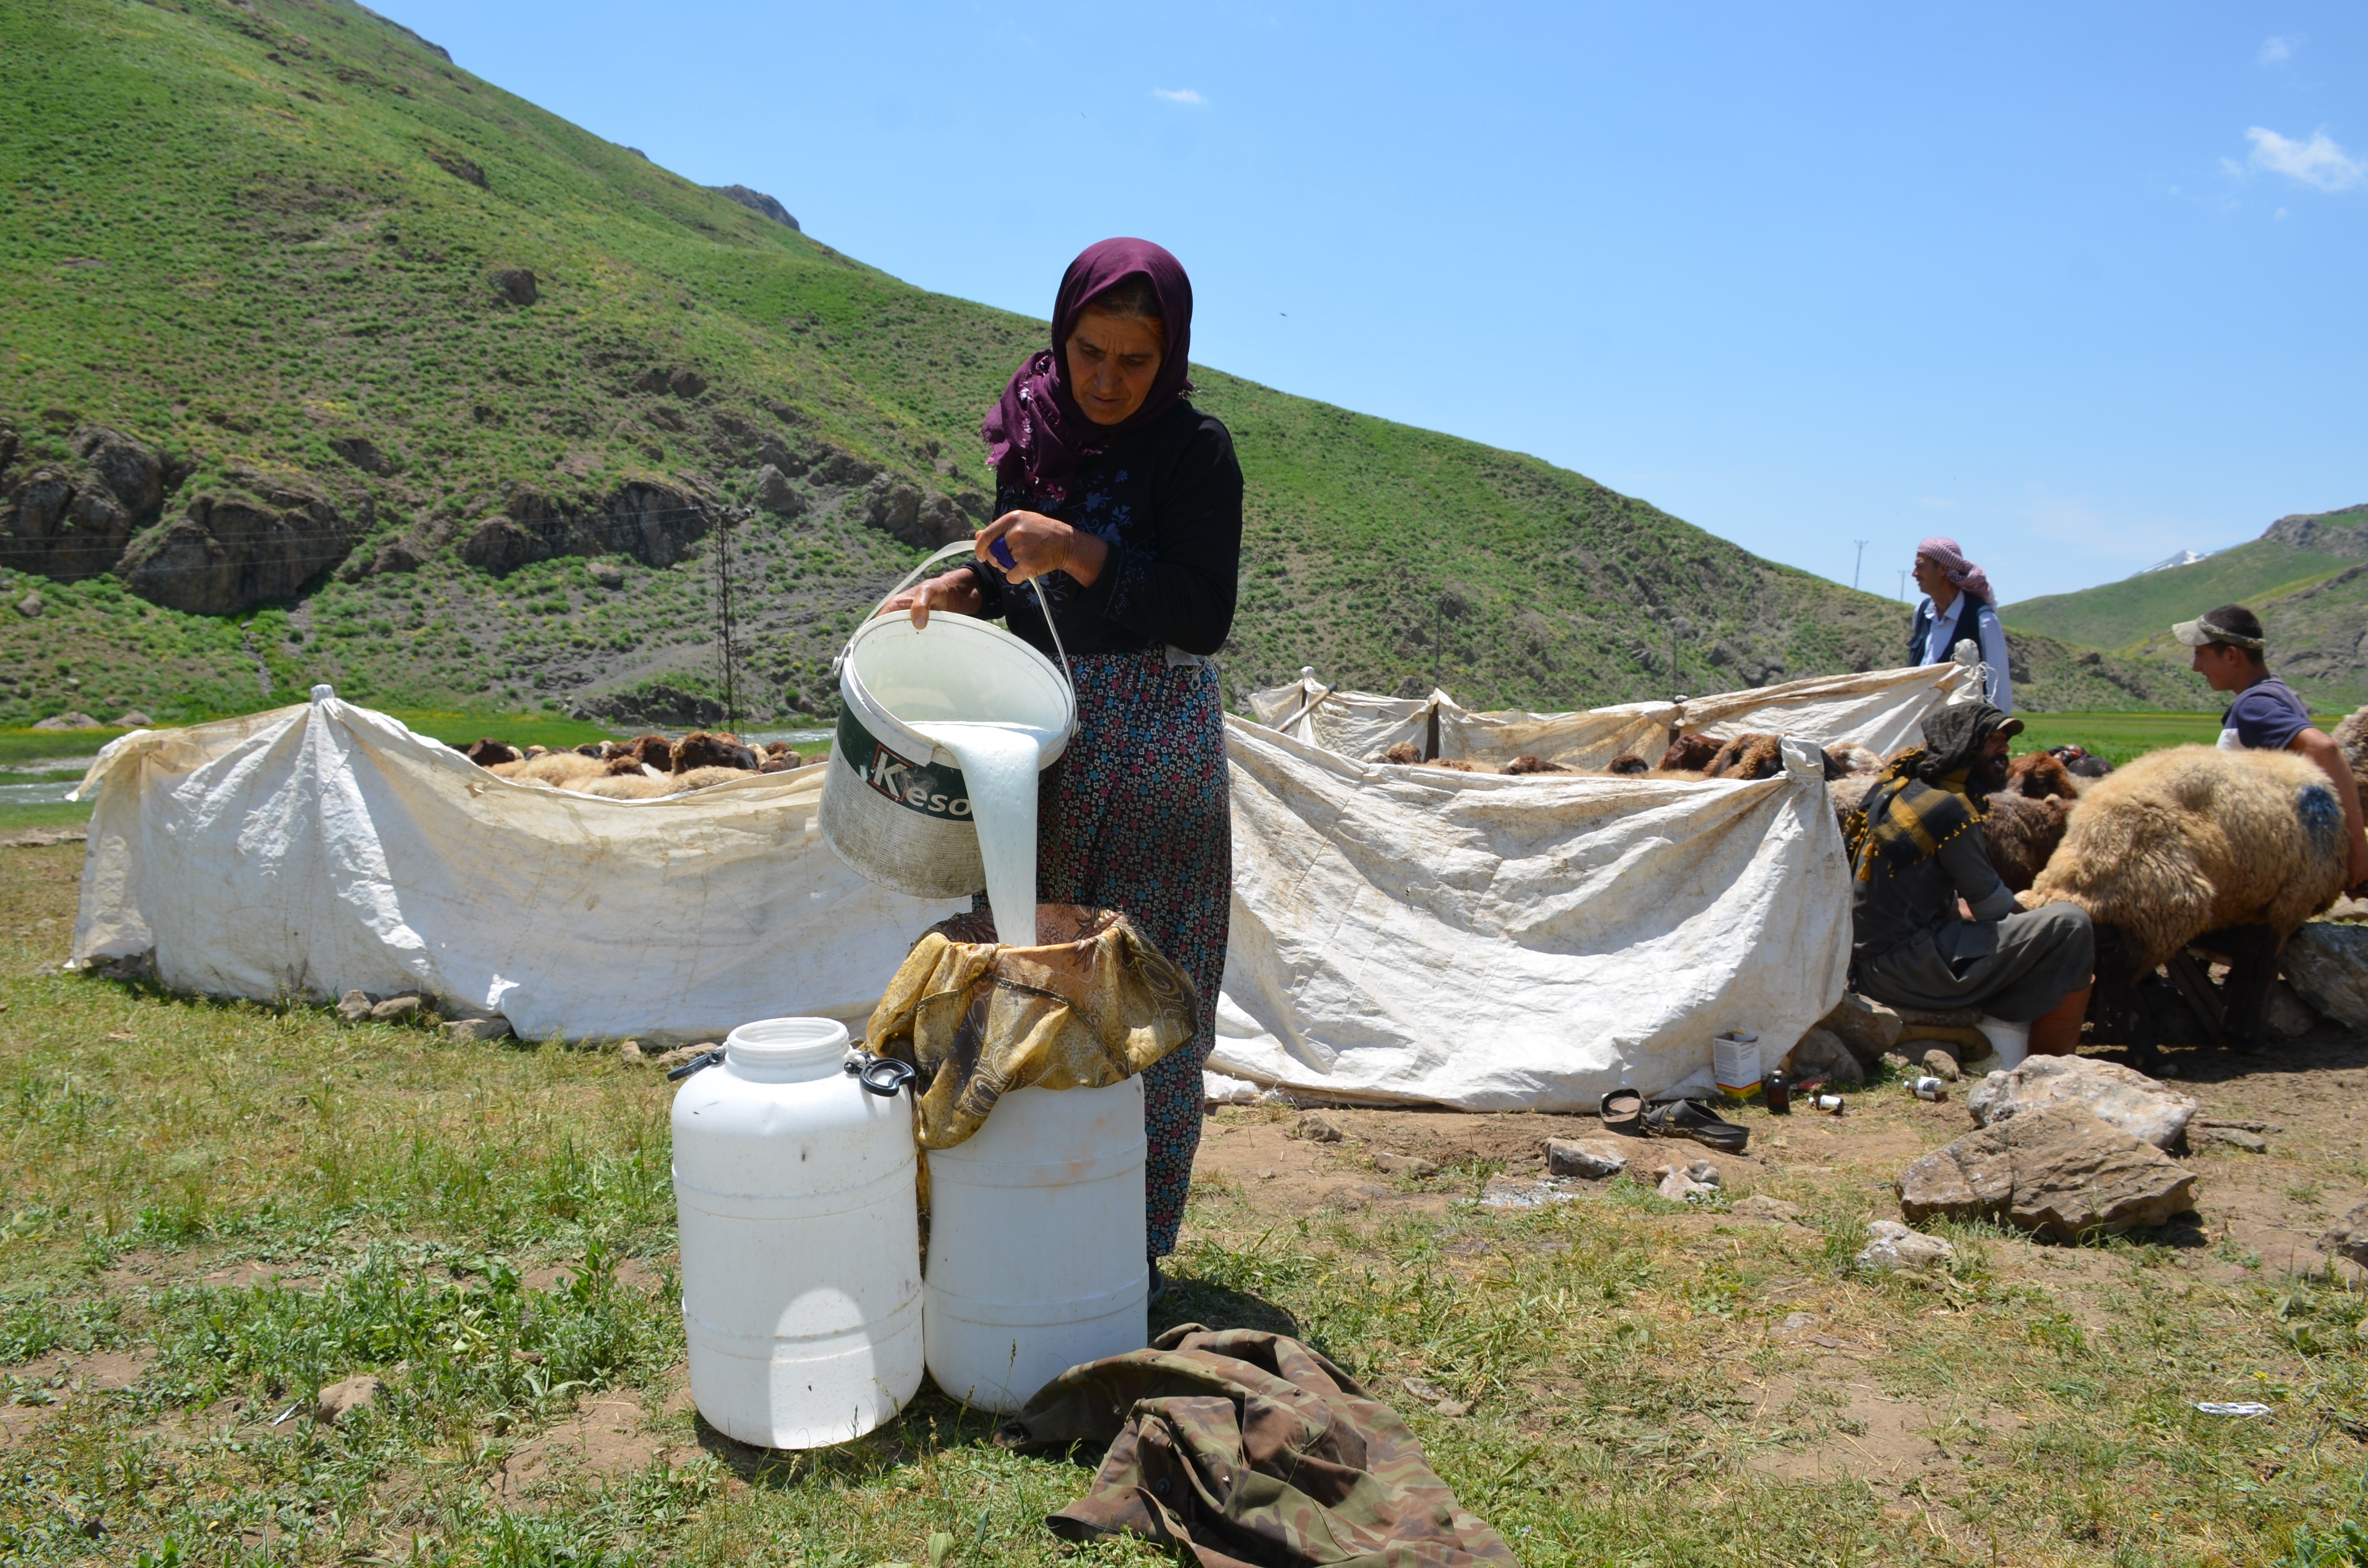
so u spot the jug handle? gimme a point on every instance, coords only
(882, 1075)
(947, 552)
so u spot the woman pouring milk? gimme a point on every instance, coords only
(1126, 502)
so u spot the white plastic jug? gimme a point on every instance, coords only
(1036, 1244)
(2010, 1043)
(795, 1196)
(896, 807)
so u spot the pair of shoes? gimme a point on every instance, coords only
(1158, 1285)
(1623, 1111)
(1691, 1119)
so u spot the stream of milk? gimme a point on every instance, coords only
(1000, 763)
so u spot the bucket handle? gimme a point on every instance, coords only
(947, 552)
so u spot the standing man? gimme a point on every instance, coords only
(1957, 607)
(2267, 716)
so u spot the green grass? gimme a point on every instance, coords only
(2118, 737)
(514, 729)
(234, 231)
(2124, 614)
(489, 1229)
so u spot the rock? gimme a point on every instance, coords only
(340, 1400)
(2349, 1239)
(679, 1054)
(756, 202)
(517, 285)
(2237, 1138)
(1822, 1053)
(1678, 1185)
(234, 552)
(30, 606)
(608, 575)
(1412, 1165)
(1898, 1063)
(363, 453)
(2055, 1168)
(132, 718)
(1431, 1394)
(776, 494)
(1593, 1160)
(355, 1005)
(463, 1032)
(685, 383)
(651, 522)
(1943, 1065)
(1868, 1027)
(2287, 1016)
(843, 468)
(1891, 1244)
(395, 1007)
(894, 508)
(1797, 1323)
(1760, 1208)
(629, 1050)
(69, 719)
(2326, 964)
(2123, 1097)
(942, 522)
(1316, 1128)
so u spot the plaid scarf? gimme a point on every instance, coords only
(1921, 803)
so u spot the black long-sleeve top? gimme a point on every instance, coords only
(1887, 910)
(1167, 500)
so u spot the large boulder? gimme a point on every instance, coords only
(1868, 1027)
(234, 552)
(2130, 1101)
(70, 524)
(2056, 1169)
(2349, 1239)
(2326, 963)
(776, 494)
(652, 522)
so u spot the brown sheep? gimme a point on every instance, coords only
(1850, 792)
(488, 751)
(2350, 737)
(783, 761)
(698, 749)
(2041, 776)
(2245, 845)
(1526, 764)
(1405, 754)
(1747, 757)
(1450, 763)
(533, 752)
(627, 786)
(597, 750)
(622, 765)
(565, 769)
(2022, 833)
(654, 751)
(1848, 756)
(1688, 754)
(702, 778)
(1627, 762)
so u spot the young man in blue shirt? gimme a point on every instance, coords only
(2267, 716)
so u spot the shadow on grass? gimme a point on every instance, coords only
(1219, 1307)
(930, 1423)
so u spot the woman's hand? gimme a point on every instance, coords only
(1039, 544)
(956, 592)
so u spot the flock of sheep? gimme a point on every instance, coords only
(648, 768)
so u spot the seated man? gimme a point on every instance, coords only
(1933, 926)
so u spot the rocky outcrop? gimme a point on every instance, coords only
(756, 202)
(364, 454)
(272, 540)
(654, 705)
(517, 285)
(69, 522)
(654, 523)
(2120, 1096)
(2056, 1169)
(393, 558)
(776, 494)
(899, 509)
(2326, 963)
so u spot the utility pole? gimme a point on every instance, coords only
(1859, 564)
(724, 618)
(1903, 584)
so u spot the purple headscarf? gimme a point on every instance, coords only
(1961, 572)
(1037, 435)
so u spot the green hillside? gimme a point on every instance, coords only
(326, 360)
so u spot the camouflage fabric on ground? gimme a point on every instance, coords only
(1252, 1451)
(1094, 1003)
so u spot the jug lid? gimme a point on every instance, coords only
(787, 1048)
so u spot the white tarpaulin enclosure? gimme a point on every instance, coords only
(1880, 710)
(325, 848)
(1496, 943)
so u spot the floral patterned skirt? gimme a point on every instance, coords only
(1134, 818)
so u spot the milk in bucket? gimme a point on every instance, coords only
(943, 733)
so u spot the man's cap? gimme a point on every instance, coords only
(2008, 727)
(2232, 624)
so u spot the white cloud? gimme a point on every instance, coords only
(1177, 94)
(2317, 163)
(2275, 51)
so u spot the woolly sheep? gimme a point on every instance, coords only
(1687, 753)
(2247, 844)
(1852, 758)
(2040, 774)
(700, 777)
(1405, 754)
(1747, 757)
(1526, 764)
(558, 767)
(2352, 738)
(626, 787)
(1627, 762)
(2022, 833)
(700, 749)
(489, 753)
(2080, 762)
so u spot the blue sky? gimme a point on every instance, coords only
(2079, 284)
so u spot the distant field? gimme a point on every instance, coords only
(2117, 737)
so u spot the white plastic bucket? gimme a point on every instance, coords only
(796, 1205)
(2010, 1043)
(894, 806)
(1037, 1243)
(1734, 1064)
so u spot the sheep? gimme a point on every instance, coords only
(1848, 756)
(1687, 754)
(2244, 844)
(2352, 738)
(626, 787)
(1848, 792)
(2080, 762)
(597, 750)
(1450, 763)
(654, 751)
(1526, 764)
(700, 749)
(1747, 757)
(702, 778)
(533, 752)
(488, 751)
(2039, 776)
(782, 761)
(1405, 754)
(1627, 762)
(2022, 833)
(562, 768)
